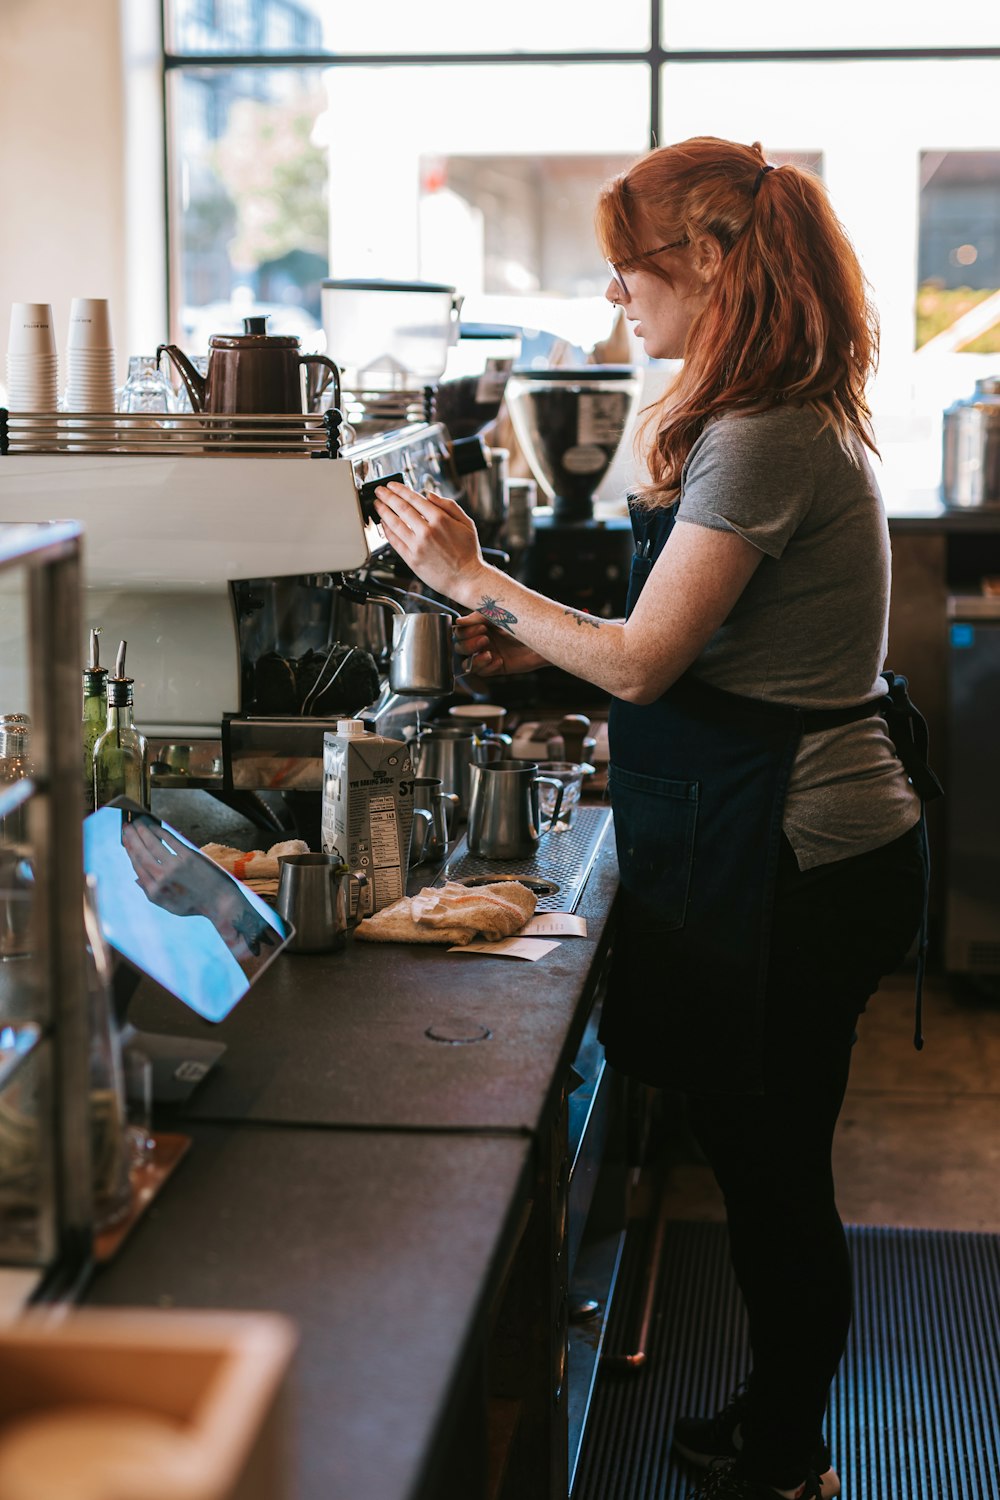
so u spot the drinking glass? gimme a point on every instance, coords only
(147, 389)
(570, 774)
(139, 1108)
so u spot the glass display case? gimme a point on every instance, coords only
(45, 1156)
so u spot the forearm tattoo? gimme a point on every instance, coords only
(494, 611)
(582, 619)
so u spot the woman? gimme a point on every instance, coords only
(769, 837)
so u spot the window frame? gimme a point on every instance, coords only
(656, 57)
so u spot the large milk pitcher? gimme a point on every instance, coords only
(504, 820)
(449, 751)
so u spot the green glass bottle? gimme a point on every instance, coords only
(120, 764)
(95, 716)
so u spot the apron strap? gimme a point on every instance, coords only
(908, 731)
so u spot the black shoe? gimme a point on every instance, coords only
(705, 1440)
(728, 1480)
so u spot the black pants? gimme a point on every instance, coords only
(837, 930)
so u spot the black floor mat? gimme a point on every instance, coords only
(914, 1412)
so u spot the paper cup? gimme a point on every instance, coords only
(490, 714)
(89, 324)
(31, 329)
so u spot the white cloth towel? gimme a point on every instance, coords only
(452, 914)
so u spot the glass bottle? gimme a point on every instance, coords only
(15, 765)
(95, 716)
(16, 876)
(120, 764)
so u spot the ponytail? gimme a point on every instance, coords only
(789, 319)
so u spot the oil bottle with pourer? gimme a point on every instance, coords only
(95, 715)
(120, 757)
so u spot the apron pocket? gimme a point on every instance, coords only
(655, 823)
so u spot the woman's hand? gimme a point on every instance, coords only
(434, 537)
(490, 652)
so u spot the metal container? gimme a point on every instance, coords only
(971, 467)
(434, 810)
(448, 751)
(313, 898)
(504, 818)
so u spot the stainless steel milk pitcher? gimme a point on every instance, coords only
(504, 820)
(449, 751)
(422, 660)
(313, 897)
(433, 812)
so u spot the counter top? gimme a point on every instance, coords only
(341, 1039)
(383, 1248)
(373, 1184)
(925, 510)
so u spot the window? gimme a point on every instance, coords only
(466, 144)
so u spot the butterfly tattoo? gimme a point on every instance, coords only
(494, 611)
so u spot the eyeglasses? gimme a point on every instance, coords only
(616, 271)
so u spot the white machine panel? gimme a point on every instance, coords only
(192, 523)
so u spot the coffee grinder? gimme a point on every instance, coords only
(569, 423)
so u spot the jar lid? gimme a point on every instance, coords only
(589, 374)
(496, 331)
(375, 284)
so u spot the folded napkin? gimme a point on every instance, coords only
(256, 869)
(452, 914)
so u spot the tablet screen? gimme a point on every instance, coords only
(174, 914)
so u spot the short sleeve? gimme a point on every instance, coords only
(752, 475)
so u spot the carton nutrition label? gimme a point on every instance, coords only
(387, 875)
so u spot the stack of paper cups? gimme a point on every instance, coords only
(90, 357)
(32, 365)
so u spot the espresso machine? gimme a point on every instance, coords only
(221, 564)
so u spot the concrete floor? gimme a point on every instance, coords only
(918, 1144)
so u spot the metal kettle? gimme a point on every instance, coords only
(254, 372)
(971, 459)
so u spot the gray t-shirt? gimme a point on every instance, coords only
(810, 628)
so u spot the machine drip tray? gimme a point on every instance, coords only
(557, 873)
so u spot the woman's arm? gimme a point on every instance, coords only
(692, 587)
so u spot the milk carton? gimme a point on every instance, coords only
(368, 810)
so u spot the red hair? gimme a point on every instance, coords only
(789, 318)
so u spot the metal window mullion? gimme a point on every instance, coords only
(57, 836)
(210, 60)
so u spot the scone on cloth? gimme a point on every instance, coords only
(256, 869)
(452, 914)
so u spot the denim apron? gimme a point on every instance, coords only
(697, 783)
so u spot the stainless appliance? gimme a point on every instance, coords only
(971, 459)
(483, 474)
(569, 424)
(210, 562)
(972, 807)
(386, 335)
(470, 392)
